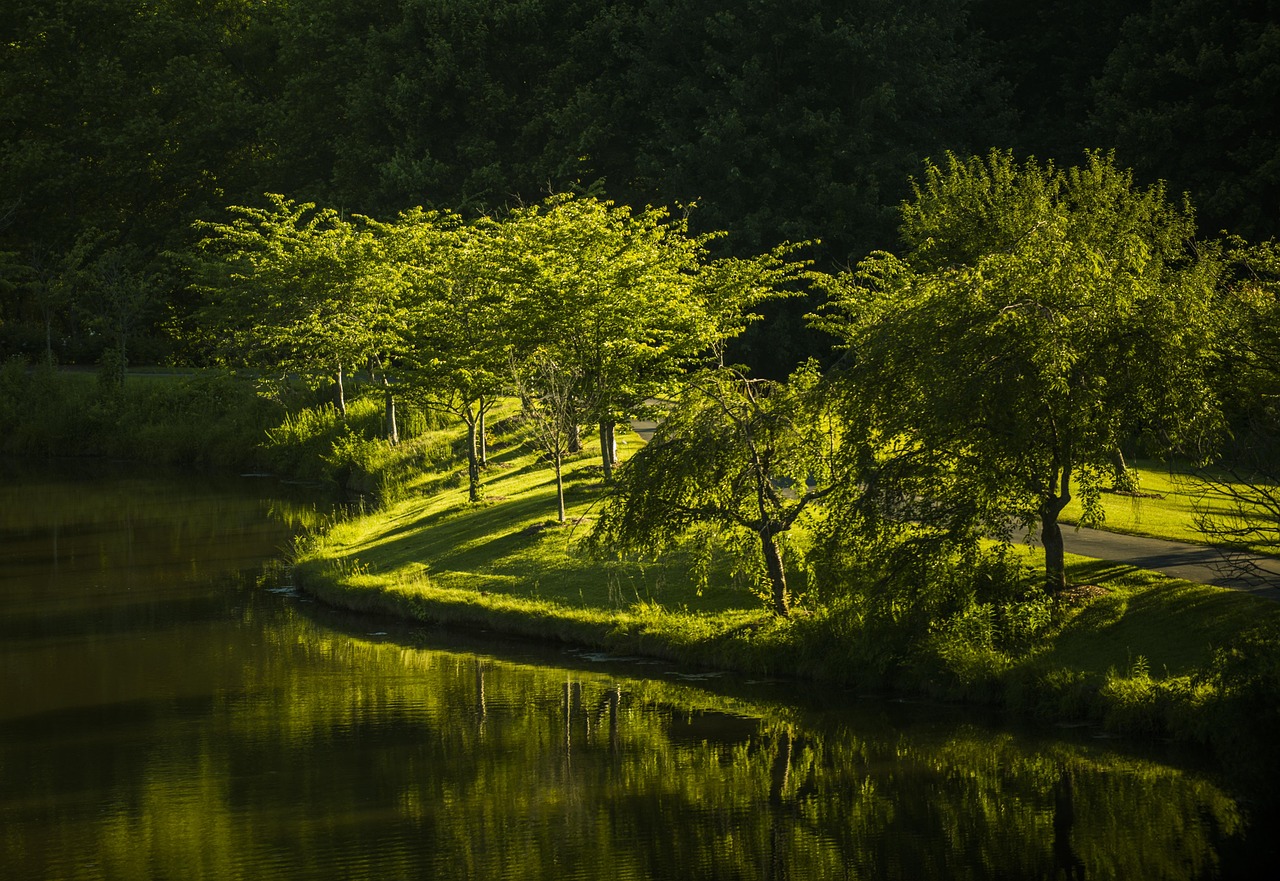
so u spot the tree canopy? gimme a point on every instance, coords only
(1041, 318)
(126, 120)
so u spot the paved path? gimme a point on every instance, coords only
(1198, 563)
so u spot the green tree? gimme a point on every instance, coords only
(1040, 317)
(550, 395)
(293, 286)
(610, 294)
(1244, 487)
(748, 456)
(458, 320)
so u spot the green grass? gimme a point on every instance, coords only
(1169, 499)
(1174, 625)
(511, 544)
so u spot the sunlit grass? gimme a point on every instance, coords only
(1139, 657)
(1168, 500)
(510, 554)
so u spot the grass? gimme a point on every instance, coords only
(1169, 499)
(509, 543)
(1174, 625)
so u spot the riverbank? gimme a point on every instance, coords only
(1136, 652)
(1132, 651)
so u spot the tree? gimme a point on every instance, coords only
(52, 279)
(119, 297)
(609, 293)
(1244, 487)
(294, 286)
(746, 455)
(1040, 318)
(549, 395)
(458, 320)
(732, 290)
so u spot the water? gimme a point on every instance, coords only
(169, 708)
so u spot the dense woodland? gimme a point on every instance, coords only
(123, 122)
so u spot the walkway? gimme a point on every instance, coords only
(1198, 563)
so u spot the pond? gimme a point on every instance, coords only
(171, 708)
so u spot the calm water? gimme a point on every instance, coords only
(170, 709)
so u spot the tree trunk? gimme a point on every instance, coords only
(560, 483)
(473, 463)
(341, 394)
(575, 438)
(777, 574)
(608, 450)
(1125, 479)
(393, 433)
(482, 442)
(1055, 566)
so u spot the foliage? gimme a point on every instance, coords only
(1241, 511)
(747, 456)
(797, 121)
(295, 287)
(1189, 95)
(609, 294)
(1040, 318)
(457, 322)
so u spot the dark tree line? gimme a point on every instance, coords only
(123, 121)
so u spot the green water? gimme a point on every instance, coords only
(169, 708)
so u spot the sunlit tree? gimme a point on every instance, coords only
(299, 287)
(1039, 317)
(747, 456)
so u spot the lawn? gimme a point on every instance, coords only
(1168, 500)
(435, 542)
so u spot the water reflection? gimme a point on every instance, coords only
(168, 710)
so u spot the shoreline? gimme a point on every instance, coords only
(1182, 707)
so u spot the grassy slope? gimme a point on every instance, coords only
(507, 565)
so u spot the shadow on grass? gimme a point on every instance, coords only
(513, 544)
(1175, 625)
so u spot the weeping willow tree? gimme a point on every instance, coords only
(747, 456)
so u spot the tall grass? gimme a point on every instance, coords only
(214, 419)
